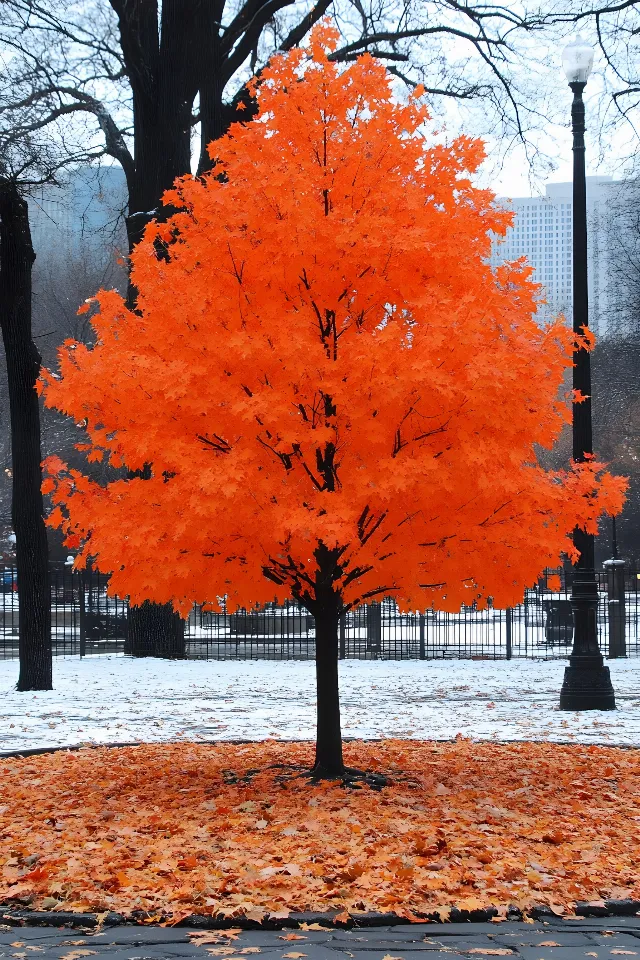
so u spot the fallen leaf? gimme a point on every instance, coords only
(491, 951)
(294, 956)
(490, 847)
(471, 903)
(207, 936)
(291, 936)
(50, 902)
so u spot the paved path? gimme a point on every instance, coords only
(605, 939)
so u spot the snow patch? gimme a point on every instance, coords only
(102, 700)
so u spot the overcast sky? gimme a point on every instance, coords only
(607, 153)
(515, 178)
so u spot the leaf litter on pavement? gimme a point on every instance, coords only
(238, 831)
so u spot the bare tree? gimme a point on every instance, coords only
(616, 430)
(616, 403)
(622, 241)
(27, 512)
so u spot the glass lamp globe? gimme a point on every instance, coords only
(577, 60)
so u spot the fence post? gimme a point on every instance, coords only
(421, 620)
(343, 639)
(82, 625)
(509, 625)
(374, 627)
(616, 608)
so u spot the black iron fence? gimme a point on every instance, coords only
(86, 621)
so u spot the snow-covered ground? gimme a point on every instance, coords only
(119, 700)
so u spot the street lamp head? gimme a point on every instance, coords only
(577, 60)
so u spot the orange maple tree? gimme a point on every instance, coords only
(331, 393)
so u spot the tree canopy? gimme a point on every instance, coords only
(324, 382)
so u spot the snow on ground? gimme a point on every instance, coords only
(102, 700)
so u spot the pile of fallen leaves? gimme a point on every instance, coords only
(175, 829)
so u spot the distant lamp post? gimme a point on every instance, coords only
(587, 683)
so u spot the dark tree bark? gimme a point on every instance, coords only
(324, 602)
(321, 595)
(23, 366)
(329, 761)
(155, 630)
(164, 67)
(215, 116)
(163, 62)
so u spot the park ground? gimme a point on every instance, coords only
(493, 797)
(239, 830)
(108, 700)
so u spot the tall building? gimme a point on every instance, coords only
(542, 232)
(87, 210)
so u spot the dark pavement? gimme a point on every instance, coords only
(557, 939)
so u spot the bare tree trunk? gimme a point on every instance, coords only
(23, 366)
(215, 118)
(155, 630)
(329, 761)
(164, 81)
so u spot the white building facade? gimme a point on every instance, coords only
(86, 210)
(542, 232)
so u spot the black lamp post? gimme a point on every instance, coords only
(587, 683)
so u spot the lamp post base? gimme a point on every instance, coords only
(587, 685)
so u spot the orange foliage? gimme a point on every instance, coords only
(214, 829)
(322, 355)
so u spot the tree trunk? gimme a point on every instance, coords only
(164, 83)
(329, 761)
(155, 630)
(23, 366)
(214, 119)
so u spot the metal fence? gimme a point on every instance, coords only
(86, 621)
